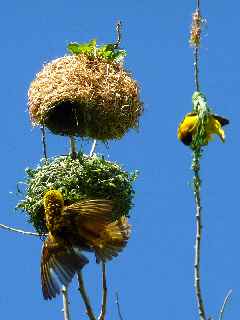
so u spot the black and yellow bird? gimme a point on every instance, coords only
(188, 127)
(84, 226)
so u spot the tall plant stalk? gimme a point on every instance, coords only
(197, 153)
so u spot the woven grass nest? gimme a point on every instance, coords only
(79, 96)
(83, 178)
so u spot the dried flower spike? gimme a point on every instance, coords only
(195, 34)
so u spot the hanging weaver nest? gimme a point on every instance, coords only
(83, 178)
(78, 96)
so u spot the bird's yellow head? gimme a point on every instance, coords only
(53, 199)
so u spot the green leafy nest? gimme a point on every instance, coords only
(84, 177)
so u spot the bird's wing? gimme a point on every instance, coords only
(96, 227)
(58, 265)
(223, 121)
(112, 240)
(97, 212)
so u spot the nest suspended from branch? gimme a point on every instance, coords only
(83, 178)
(78, 96)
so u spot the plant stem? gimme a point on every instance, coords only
(197, 153)
(226, 300)
(73, 148)
(93, 148)
(118, 32)
(85, 298)
(118, 307)
(43, 139)
(197, 196)
(197, 25)
(26, 233)
(66, 310)
(196, 68)
(104, 293)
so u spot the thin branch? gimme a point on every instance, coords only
(197, 276)
(118, 307)
(85, 298)
(119, 34)
(66, 303)
(104, 293)
(196, 68)
(226, 300)
(94, 144)
(195, 39)
(27, 233)
(43, 139)
(73, 147)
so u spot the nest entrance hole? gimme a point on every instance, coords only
(66, 118)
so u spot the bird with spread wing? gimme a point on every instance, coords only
(88, 225)
(189, 126)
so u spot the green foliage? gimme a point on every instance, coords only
(88, 48)
(200, 103)
(85, 177)
(108, 52)
(200, 106)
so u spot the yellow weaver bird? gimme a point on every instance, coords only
(87, 225)
(189, 125)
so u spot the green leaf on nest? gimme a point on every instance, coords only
(88, 48)
(108, 51)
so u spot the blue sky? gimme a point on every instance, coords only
(154, 275)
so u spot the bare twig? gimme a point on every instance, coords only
(27, 233)
(104, 293)
(196, 68)
(73, 148)
(119, 34)
(94, 144)
(226, 300)
(197, 277)
(85, 298)
(66, 310)
(118, 307)
(43, 139)
(195, 42)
